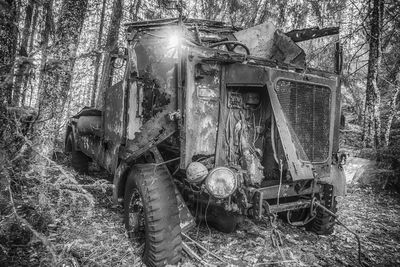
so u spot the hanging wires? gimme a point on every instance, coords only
(273, 138)
(280, 181)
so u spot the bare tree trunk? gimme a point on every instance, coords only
(22, 68)
(115, 24)
(30, 47)
(8, 46)
(372, 122)
(255, 7)
(263, 13)
(33, 28)
(282, 5)
(58, 72)
(111, 44)
(392, 113)
(98, 56)
(134, 9)
(48, 26)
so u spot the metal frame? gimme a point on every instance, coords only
(331, 117)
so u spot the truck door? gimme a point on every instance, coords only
(114, 102)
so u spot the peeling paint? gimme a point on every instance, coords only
(202, 109)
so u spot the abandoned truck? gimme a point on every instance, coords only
(197, 119)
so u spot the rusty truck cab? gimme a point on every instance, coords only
(195, 114)
(236, 113)
(269, 120)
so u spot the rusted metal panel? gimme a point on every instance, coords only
(151, 97)
(201, 109)
(104, 153)
(259, 39)
(221, 158)
(245, 74)
(287, 51)
(134, 121)
(264, 40)
(113, 113)
(311, 33)
(150, 134)
(297, 205)
(134, 94)
(288, 190)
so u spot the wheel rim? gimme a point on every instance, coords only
(296, 215)
(136, 216)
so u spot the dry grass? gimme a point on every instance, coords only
(58, 216)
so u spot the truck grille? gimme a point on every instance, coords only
(307, 109)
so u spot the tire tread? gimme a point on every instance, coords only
(163, 233)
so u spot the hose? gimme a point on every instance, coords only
(273, 138)
(235, 43)
(280, 181)
(340, 223)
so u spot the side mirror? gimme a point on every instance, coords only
(118, 63)
(119, 56)
(338, 58)
(342, 121)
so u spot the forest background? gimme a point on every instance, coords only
(51, 63)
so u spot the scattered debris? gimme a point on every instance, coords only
(98, 238)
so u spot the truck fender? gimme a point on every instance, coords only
(120, 176)
(337, 179)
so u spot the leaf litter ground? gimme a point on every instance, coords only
(98, 238)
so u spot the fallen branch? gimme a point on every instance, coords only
(202, 247)
(193, 254)
(24, 222)
(274, 262)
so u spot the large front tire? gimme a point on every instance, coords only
(155, 190)
(324, 223)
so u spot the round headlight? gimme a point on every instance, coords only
(196, 172)
(221, 182)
